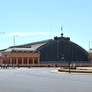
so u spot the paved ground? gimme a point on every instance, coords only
(43, 80)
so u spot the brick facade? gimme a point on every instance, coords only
(20, 58)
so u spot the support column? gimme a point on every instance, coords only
(28, 61)
(1, 62)
(11, 61)
(38, 60)
(16, 61)
(22, 61)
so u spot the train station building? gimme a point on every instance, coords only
(52, 52)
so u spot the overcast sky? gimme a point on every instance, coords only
(35, 20)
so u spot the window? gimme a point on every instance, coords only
(30, 61)
(25, 60)
(19, 60)
(35, 62)
(13, 60)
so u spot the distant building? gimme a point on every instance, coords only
(53, 52)
(90, 55)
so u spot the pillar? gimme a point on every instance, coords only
(16, 61)
(10, 60)
(27, 60)
(38, 60)
(1, 61)
(22, 61)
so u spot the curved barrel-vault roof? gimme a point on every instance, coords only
(62, 49)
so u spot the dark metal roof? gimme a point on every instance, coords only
(62, 49)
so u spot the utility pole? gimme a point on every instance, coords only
(14, 39)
